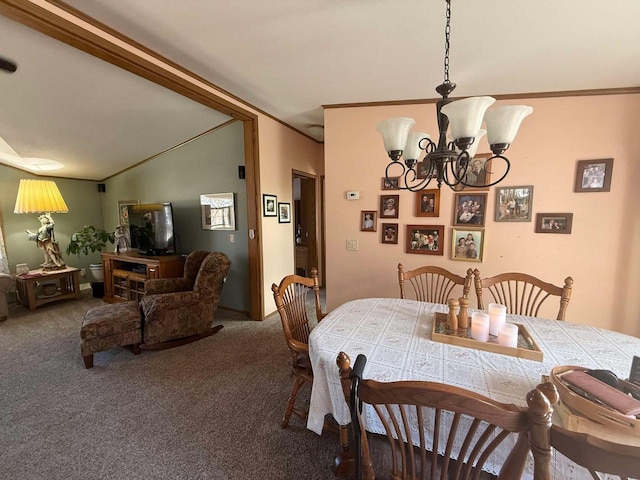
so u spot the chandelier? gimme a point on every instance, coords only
(448, 160)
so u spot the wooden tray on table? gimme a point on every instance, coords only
(527, 347)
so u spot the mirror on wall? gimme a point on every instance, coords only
(218, 211)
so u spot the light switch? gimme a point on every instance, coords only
(232, 238)
(352, 245)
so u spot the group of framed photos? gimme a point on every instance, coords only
(512, 204)
(272, 208)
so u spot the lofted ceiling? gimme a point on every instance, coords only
(291, 57)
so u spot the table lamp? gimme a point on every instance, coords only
(42, 196)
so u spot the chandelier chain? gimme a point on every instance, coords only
(447, 33)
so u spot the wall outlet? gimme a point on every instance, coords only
(352, 245)
(83, 272)
(353, 195)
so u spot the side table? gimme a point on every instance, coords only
(54, 285)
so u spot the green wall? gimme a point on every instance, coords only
(206, 165)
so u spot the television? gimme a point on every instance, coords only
(151, 228)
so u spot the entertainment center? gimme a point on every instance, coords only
(125, 273)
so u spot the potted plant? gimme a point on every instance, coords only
(89, 240)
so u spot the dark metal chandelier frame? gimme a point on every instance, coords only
(446, 161)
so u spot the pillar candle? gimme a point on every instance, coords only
(480, 326)
(508, 335)
(497, 317)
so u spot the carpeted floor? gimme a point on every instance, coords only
(207, 410)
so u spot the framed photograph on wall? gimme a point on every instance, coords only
(390, 233)
(425, 239)
(594, 175)
(368, 220)
(389, 205)
(478, 173)
(513, 204)
(469, 208)
(422, 170)
(284, 213)
(428, 203)
(391, 184)
(123, 210)
(554, 222)
(269, 205)
(218, 211)
(467, 244)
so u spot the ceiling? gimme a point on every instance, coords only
(291, 57)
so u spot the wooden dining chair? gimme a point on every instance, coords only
(521, 293)
(433, 284)
(291, 300)
(599, 456)
(475, 424)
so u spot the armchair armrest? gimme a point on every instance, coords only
(155, 286)
(298, 347)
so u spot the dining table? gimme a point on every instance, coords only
(396, 337)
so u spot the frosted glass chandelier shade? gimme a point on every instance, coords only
(503, 123)
(474, 146)
(465, 116)
(394, 132)
(39, 196)
(412, 150)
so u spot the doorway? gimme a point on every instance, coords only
(305, 223)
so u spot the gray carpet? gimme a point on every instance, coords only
(207, 410)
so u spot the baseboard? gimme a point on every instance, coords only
(241, 312)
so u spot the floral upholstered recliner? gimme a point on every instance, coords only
(176, 311)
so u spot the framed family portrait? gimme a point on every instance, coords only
(594, 175)
(284, 213)
(554, 222)
(390, 184)
(269, 205)
(478, 172)
(467, 245)
(469, 208)
(428, 203)
(425, 239)
(368, 221)
(513, 204)
(389, 205)
(390, 233)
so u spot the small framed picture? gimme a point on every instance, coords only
(594, 175)
(284, 213)
(467, 245)
(389, 233)
(368, 221)
(389, 205)
(513, 204)
(478, 172)
(428, 203)
(123, 210)
(269, 205)
(554, 222)
(390, 184)
(425, 239)
(423, 170)
(469, 208)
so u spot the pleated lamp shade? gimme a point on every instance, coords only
(39, 196)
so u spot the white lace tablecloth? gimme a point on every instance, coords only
(395, 335)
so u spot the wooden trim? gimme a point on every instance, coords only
(55, 26)
(511, 96)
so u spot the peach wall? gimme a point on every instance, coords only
(281, 151)
(602, 254)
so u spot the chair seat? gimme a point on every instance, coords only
(112, 319)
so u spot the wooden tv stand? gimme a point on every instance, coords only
(125, 273)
